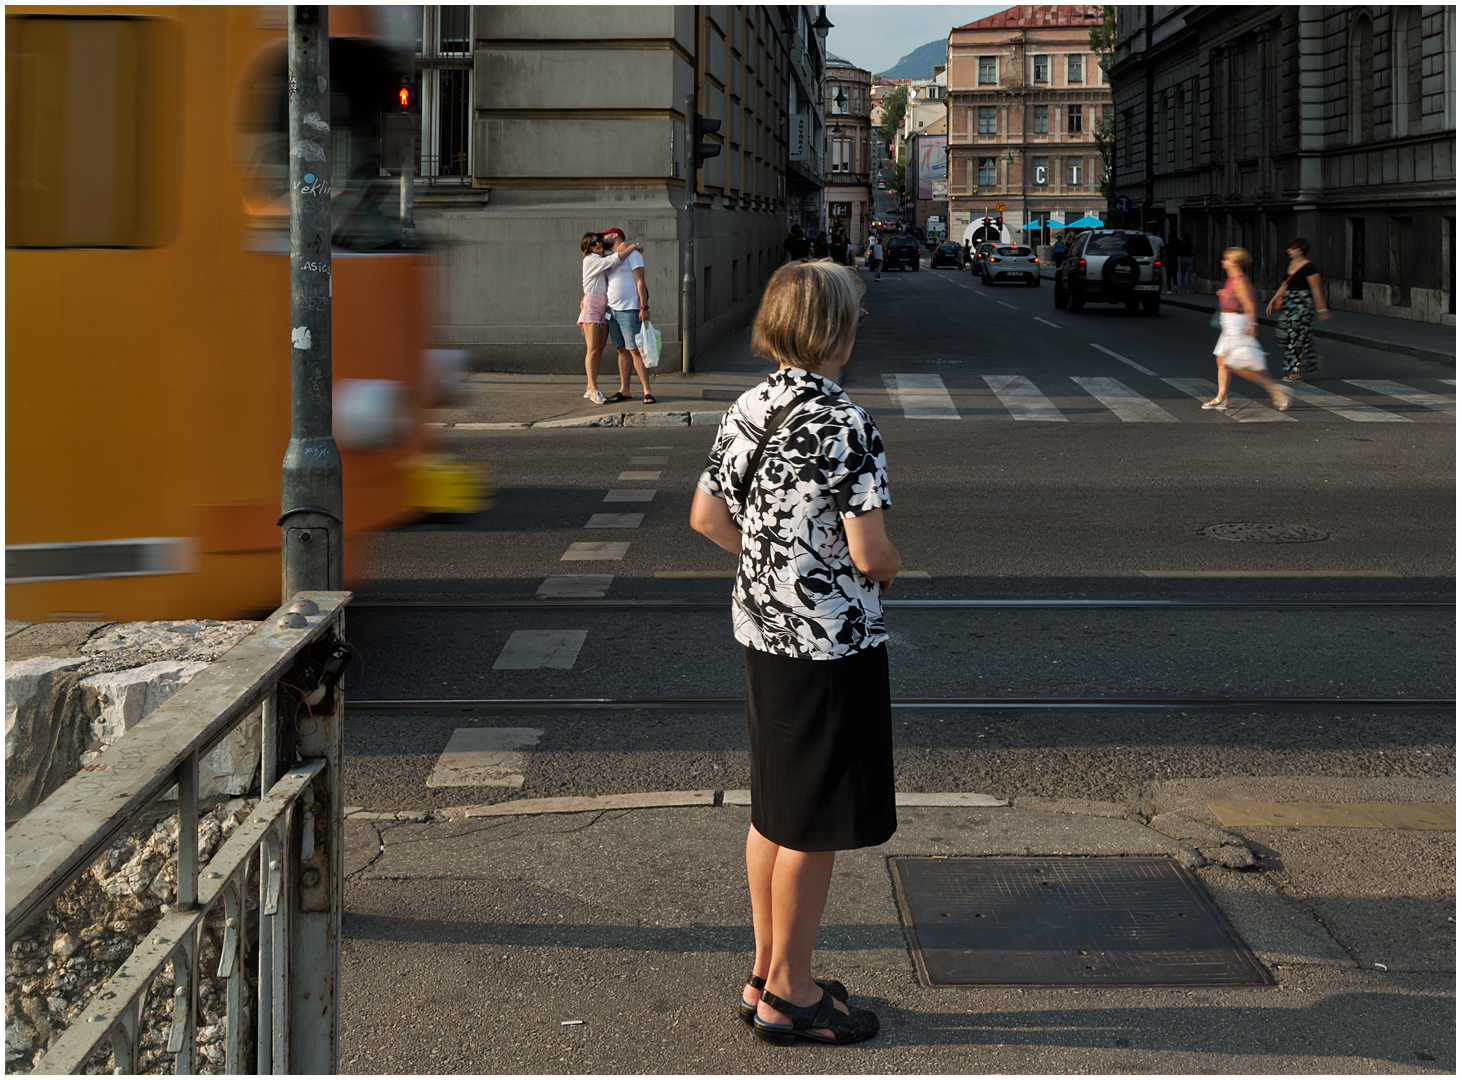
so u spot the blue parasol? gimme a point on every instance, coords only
(1086, 222)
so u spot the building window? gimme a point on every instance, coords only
(444, 60)
(1074, 65)
(987, 123)
(1042, 69)
(987, 66)
(986, 172)
(1042, 119)
(1042, 170)
(1362, 81)
(1073, 120)
(1074, 174)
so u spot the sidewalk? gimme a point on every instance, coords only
(616, 941)
(1425, 341)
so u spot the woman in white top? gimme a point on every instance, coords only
(593, 309)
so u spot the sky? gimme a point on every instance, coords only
(877, 36)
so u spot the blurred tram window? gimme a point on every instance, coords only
(93, 112)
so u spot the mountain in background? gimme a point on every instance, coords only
(919, 64)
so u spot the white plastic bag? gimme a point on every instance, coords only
(649, 342)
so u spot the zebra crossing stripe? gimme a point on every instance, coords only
(1406, 393)
(922, 397)
(1343, 406)
(575, 587)
(615, 521)
(528, 650)
(630, 495)
(640, 475)
(1244, 410)
(1018, 394)
(650, 460)
(1125, 402)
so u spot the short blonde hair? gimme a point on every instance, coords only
(1239, 256)
(808, 315)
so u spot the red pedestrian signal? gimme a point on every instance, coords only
(403, 97)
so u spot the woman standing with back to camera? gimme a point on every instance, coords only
(795, 486)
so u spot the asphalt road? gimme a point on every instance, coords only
(985, 506)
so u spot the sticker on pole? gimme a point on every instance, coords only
(301, 338)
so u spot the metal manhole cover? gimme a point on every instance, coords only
(1067, 922)
(1255, 532)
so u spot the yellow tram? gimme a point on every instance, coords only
(147, 309)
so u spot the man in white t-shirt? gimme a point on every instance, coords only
(628, 310)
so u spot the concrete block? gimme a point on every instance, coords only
(707, 418)
(608, 420)
(46, 730)
(657, 419)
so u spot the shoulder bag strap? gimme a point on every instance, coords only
(776, 420)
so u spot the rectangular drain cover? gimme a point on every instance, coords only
(1067, 922)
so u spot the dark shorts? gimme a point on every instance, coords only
(821, 735)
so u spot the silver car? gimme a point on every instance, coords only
(1010, 262)
(1110, 266)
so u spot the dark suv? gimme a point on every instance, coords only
(901, 251)
(1110, 266)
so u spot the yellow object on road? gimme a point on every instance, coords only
(441, 484)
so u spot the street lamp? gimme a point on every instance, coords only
(823, 24)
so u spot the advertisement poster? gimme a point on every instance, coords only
(933, 165)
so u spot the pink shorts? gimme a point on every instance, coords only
(593, 309)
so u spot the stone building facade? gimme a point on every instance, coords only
(1247, 126)
(848, 161)
(571, 119)
(1026, 97)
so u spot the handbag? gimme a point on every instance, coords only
(1216, 320)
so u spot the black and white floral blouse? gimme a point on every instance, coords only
(797, 591)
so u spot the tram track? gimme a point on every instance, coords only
(995, 605)
(1081, 704)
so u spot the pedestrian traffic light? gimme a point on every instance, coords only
(700, 151)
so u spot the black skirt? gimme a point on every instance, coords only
(821, 750)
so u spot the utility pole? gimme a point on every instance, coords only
(687, 251)
(311, 489)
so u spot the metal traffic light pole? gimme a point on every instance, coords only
(311, 496)
(687, 254)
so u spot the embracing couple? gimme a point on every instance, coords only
(615, 303)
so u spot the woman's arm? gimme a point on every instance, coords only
(1317, 289)
(710, 517)
(1248, 297)
(871, 550)
(1277, 301)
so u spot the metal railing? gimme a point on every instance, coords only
(293, 835)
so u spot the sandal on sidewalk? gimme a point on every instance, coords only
(853, 1026)
(1295, 377)
(1215, 404)
(755, 982)
(648, 399)
(619, 396)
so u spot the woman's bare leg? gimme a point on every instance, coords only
(799, 883)
(760, 866)
(1278, 394)
(594, 335)
(1225, 377)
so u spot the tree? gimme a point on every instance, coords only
(1103, 44)
(900, 185)
(893, 110)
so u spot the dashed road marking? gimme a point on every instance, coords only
(1124, 360)
(1125, 402)
(1012, 306)
(484, 757)
(576, 587)
(630, 495)
(1047, 322)
(922, 397)
(1406, 393)
(1019, 395)
(528, 650)
(615, 521)
(595, 549)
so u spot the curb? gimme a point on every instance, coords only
(700, 418)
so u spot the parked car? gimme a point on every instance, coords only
(1010, 262)
(947, 254)
(1110, 266)
(902, 252)
(976, 261)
